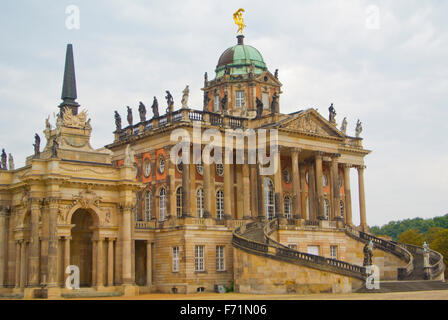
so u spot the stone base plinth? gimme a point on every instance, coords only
(130, 290)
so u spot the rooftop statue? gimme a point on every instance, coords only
(224, 102)
(276, 74)
(75, 121)
(155, 108)
(367, 255)
(332, 116)
(239, 21)
(344, 126)
(185, 95)
(130, 119)
(142, 112)
(11, 162)
(170, 102)
(4, 159)
(117, 121)
(205, 79)
(358, 128)
(54, 148)
(36, 145)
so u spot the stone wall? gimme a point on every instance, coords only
(261, 275)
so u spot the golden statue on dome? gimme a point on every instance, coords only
(238, 17)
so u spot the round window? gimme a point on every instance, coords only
(286, 176)
(200, 169)
(147, 168)
(220, 169)
(161, 165)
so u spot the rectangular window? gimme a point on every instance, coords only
(292, 246)
(216, 104)
(333, 252)
(265, 100)
(175, 259)
(220, 262)
(313, 250)
(199, 258)
(240, 99)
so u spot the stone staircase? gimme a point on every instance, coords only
(406, 286)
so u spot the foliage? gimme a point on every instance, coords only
(394, 228)
(230, 288)
(440, 244)
(411, 237)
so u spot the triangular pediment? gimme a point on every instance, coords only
(268, 78)
(311, 122)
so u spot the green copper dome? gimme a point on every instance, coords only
(238, 60)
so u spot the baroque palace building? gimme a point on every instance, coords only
(134, 221)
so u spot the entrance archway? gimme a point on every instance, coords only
(81, 245)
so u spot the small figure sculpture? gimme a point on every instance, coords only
(274, 103)
(344, 126)
(239, 21)
(224, 103)
(4, 159)
(117, 121)
(36, 145)
(252, 69)
(170, 102)
(332, 116)
(205, 79)
(358, 128)
(227, 70)
(11, 162)
(47, 124)
(129, 156)
(367, 255)
(185, 95)
(259, 108)
(276, 74)
(155, 108)
(425, 247)
(142, 112)
(206, 100)
(130, 119)
(54, 148)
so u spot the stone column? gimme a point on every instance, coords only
(17, 275)
(127, 245)
(335, 188)
(228, 182)
(53, 244)
(186, 191)
(3, 243)
(94, 262)
(66, 253)
(312, 198)
(362, 198)
(148, 263)
(22, 264)
(110, 262)
(207, 191)
(296, 209)
(278, 188)
(246, 192)
(100, 264)
(319, 186)
(302, 191)
(348, 196)
(33, 270)
(253, 191)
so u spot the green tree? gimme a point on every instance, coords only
(411, 236)
(433, 233)
(440, 244)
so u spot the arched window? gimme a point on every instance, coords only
(326, 208)
(162, 204)
(287, 207)
(324, 180)
(269, 199)
(136, 210)
(200, 202)
(341, 206)
(220, 204)
(179, 202)
(148, 206)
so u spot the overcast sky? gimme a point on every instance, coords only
(384, 62)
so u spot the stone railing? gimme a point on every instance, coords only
(278, 251)
(436, 266)
(185, 115)
(385, 245)
(145, 225)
